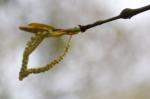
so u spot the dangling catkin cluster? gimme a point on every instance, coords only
(41, 32)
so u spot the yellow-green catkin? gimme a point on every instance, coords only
(31, 46)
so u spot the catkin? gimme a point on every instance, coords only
(31, 46)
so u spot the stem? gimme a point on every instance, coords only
(127, 13)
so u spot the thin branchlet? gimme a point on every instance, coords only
(127, 13)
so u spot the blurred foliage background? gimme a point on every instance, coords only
(111, 61)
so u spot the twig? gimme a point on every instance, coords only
(125, 14)
(42, 31)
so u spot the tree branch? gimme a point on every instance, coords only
(127, 13)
